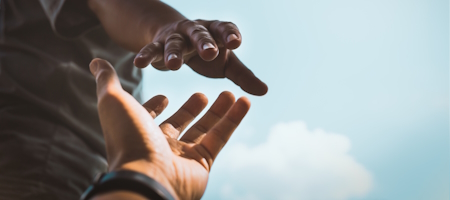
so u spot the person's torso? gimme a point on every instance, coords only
(38, 67)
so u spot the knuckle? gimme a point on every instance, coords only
(173, 38)
(223, 28)
(201, 34)
(197, 29)
(150, 48)
(219, 134)
(174, 42)
(229, 26)
(154, 46)
(204, 22)
(201, 128)
(214, 24)
(183, 24)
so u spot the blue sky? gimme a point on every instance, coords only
(359, 88)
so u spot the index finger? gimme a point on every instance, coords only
(156, 105)
(237, 72)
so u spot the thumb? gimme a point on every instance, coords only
(129, 130)
(105, 76)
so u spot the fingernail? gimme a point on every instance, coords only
(94, 67)
(232, 37)
(172, 56)
(139, 56)
(208, 46)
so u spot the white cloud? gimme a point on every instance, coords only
(294, 163)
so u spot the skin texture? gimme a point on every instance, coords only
(135, 142)
(166, 39)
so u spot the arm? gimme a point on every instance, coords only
(133, 23)
(119, 195)
(134, 142)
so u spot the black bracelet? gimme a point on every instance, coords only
(129, 181)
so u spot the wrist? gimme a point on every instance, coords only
(151, 170)
(133, 24)
(119, 195)
(126, 184)
(165, 20)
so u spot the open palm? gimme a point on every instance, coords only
(135, 142)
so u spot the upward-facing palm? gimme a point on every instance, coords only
(135, 142)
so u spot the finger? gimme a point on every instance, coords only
(156, 105)
(214, 114)
(237, 72)
(129, 131)
(173, 126)
(201, 39)
(227, 33)
(105, 76)
(149, 53)
(218, 136)
(173, 51)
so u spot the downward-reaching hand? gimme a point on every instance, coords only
(135, 142)
(206, 47)
(166, 39)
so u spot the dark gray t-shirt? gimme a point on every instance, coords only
(45, 50)
(51, 143)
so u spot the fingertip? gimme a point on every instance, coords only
(156, 105)
(174, 62)
(261, 90)
(254, 86)
(209, 52)
(233, 41)
(97, 64)
(148, 54)
(163, 99)
(244, 103)
(93, 66)
(239, 110)
(195, 104)
(227, 95)
(265, 89)
(108, 83)
(96, 60)
(208, 45)
(223, 103)
(141, 61)
(200, 98)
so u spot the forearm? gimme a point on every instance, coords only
(133, 23)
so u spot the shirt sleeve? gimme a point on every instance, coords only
(69, 18)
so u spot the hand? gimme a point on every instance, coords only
(135, 142)
(206, 47)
